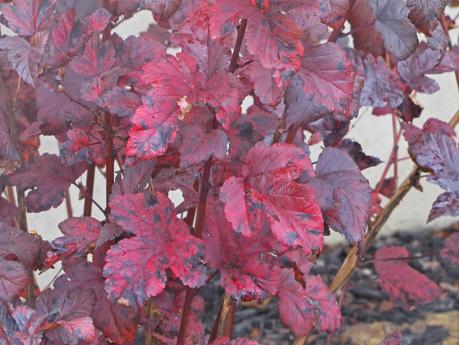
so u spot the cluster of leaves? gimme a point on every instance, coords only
(255, 208)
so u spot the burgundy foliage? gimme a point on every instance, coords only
(402, 282)
(228, 121)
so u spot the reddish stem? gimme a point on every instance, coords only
(109, 161)
(68, 204)
(389, 162)
(89, 190)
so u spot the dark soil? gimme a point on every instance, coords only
(363, 302)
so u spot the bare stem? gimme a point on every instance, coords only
(89, 190)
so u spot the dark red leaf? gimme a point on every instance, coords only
(362, 22)
(118, 322)
(120, 101)
(382, 86)
(269, 84)
(170, 305)
(58, 112)
(97, 21)
(333, 12)
(98, 57)
(267, 189)
(138, 51)
(392, 23)
(134, 178)
(247, 269)
(197, 146)
(108, 233)
(67, 316)
(271, 35)
(87, 145)
(178, 86)
(422, 62)
(354, 149)
(135, 268)
(324, 84)
(450, 254)
(24, 56)
(80, 236)
(8, 211)
(237, 341)
(16, 244)
(13, 279)
(27, 17)
(304, 308)
(47, 178)
(400, 281)
(423, 13)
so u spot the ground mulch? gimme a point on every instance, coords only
(368, 313)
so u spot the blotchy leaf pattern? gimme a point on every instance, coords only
(267, 189)
(168, 107)
(405, 286)
(303, 308)
(324, 84)
(136, 267)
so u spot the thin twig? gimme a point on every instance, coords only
(89, 197)
(375, 227)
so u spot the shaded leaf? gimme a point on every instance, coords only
(118, 322)
(67, 316)
(434, 149)
(197, 146)
(392, 23)
(80, 236)
(47, 178)
(343, 193)
(13, 279)
(422, 62)
(247, 271)
(25, 57)
(15, 244)
(58, 112)
(423, 13)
